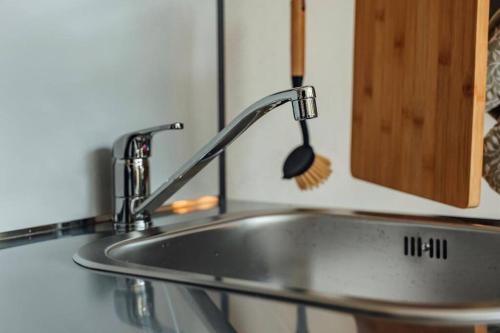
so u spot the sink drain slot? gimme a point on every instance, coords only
(436, 248)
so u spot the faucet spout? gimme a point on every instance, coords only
(303, 100)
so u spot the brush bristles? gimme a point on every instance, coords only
(317, 174)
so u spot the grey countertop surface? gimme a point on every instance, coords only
(43, 290)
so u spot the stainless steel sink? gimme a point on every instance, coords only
(432, 270)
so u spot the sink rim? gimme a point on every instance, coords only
(96, 256)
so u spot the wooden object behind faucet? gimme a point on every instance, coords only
(366, 325)
(298, 37)
(418, 99)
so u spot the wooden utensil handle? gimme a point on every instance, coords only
(298, 36)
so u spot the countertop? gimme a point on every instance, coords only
(43, 290)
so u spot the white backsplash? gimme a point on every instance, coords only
(74, 75)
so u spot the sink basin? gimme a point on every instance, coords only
(433, 270)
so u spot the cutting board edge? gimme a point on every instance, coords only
(472, 202)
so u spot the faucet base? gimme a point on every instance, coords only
(140, 225)
(125, 220)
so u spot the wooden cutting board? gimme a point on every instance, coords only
(418, 100)
(365, 325)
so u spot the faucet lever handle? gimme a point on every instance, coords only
(137, 144)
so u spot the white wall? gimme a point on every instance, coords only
(258, 64)
(74, 75)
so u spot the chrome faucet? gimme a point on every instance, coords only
(133, 202)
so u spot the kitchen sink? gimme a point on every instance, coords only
(435, 270)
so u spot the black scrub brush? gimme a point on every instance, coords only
(308, 169)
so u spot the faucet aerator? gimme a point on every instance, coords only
(304, 108)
